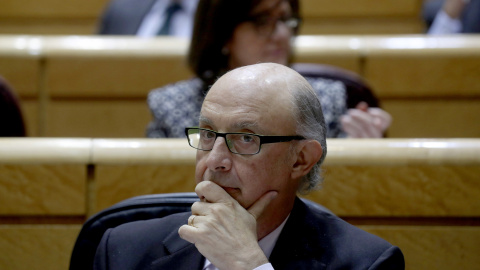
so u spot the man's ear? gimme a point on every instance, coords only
(308, 155)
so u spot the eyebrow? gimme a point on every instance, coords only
(235, 126)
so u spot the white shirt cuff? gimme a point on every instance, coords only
(267, 266)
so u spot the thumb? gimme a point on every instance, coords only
(259, 206)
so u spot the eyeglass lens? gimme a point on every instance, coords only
(266, 26)
(237, 143)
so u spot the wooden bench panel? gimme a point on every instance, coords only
(400, 191)
(362, 26)
(51, 8)
(423, 66)
(438, 75)
(56, 26)
(30, 247)
(112, 77)
(363, 8)
(116, 183)
(31, 117)
(22, 73)
(42, 190)
(318, 49)
(431, 118)
(361, 17)
(434, 247)
(97, 118)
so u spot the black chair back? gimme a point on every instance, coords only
(11, 117)
(357, 88)
(133, 209)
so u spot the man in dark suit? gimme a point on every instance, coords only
(148, 18)
(249, 216)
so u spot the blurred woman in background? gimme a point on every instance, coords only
(233, 33)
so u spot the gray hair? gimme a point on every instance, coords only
(311, 125)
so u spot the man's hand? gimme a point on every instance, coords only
(223, 231)
(365, 122)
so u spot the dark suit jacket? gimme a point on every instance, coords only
(311, 239)
(124, 17)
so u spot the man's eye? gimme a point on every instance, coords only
(247, 138)
(209, 135)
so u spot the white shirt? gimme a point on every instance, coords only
(443, 24)
(266, 244)
(182, 21)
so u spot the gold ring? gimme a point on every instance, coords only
(192, 221)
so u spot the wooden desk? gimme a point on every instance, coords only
(87, 86)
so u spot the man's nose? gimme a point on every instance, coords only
(219, 158)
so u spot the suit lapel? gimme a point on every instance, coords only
(182, 255)
(299, 244)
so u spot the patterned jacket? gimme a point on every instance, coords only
(178, 105)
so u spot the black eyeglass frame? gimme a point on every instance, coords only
(264, 139)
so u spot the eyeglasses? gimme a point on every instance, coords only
(237, 142)
(266, 25)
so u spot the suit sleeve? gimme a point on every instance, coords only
(391, 259)
(101, 256)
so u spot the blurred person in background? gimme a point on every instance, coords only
(452, 16)
(148, 18)
(233, 33)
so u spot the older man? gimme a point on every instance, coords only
(261, 138)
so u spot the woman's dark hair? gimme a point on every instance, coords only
(215, 21)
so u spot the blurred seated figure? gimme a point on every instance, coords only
(229, 34)
(148, 18)
(12, 123)
(452, 16)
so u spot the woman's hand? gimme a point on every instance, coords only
(365, 122)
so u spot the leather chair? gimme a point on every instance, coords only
(11, 119)
(357, 88)
(133, 209)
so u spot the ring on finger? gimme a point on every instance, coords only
(192, 220)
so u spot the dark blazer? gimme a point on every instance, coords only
(311, 239)
(124, 17)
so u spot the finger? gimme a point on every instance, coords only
(188, 233)
(352, 127)
(200, 208)
(365, 121)
(211, 192)
(191, 220)
(259, 206)
(382, 119)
